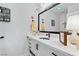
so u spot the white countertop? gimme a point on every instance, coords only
(54, 42)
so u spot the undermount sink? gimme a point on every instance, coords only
(44, 38)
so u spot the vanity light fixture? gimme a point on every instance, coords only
(73, 25)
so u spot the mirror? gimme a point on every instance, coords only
(53, 20)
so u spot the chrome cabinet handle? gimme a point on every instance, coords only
(31, 52)
(54, 54)
(37, 47)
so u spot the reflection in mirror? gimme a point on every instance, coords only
(54, 19)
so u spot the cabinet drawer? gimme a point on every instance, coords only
(60, 52)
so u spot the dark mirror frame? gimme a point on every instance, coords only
(39, 20)
(64, 42)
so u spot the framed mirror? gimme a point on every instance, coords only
(53, 20)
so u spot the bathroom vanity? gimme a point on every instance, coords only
(52, 47)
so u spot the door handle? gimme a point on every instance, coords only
(1, 37)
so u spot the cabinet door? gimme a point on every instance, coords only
(32, 44)
(34, 48)
(44, 50)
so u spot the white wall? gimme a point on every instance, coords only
(73, 9)
(46, 6)
(15, 32)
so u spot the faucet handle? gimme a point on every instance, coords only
(48, 34)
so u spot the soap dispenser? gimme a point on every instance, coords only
(42, 25)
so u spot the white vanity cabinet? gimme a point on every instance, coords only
(38, 48)
(32, 47)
